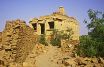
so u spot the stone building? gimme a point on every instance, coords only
(57, 20)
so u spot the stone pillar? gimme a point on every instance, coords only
(61, 10)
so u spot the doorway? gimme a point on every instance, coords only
(42, 28)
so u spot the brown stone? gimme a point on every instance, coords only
(94, 60)
(101, 60)
(69, 62)
(18, 40)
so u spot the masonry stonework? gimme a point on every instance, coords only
(18, 40)
(58, 20)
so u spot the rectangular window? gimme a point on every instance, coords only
(51, 25)
(35, 26)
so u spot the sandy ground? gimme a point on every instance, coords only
(51, 56)
(47, 58)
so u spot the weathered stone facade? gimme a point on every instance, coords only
(18, 40)
(58, 20)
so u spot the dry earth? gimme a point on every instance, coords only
(19, 48)
(51, 56)
(47, 57)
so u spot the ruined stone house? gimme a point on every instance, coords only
(57, 20)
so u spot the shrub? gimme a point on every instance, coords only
(100, 49)
(42, 40)
(59, 35)
(89, 47)
(86, 47)
(56, 39)
(93, 43)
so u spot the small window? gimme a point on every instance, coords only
(34, 26)
(51, 25)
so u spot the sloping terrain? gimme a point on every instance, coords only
(47, 56)
(19, 47)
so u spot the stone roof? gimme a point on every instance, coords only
(54, 15)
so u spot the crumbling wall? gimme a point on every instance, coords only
(18, 40)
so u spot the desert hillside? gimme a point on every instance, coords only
(19, 47)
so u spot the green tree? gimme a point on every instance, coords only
(93, 43)
(96, 29)
(96, 25)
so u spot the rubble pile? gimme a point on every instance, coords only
(67, 47)
(83, 62)
(70, 59)
(18, 40)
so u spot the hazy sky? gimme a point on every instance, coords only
(27, 9)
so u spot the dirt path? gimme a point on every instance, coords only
(47, 59)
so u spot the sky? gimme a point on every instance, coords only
(28, 9)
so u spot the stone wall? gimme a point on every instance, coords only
(18, 40)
